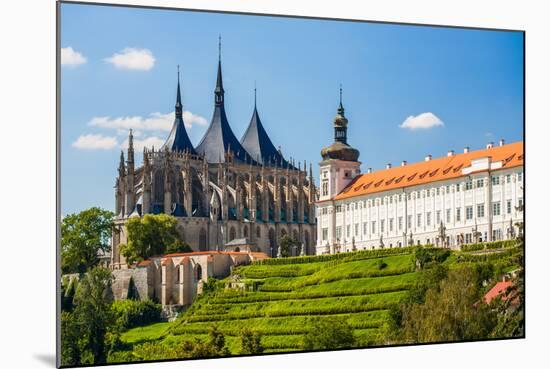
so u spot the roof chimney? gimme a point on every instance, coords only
(490, 145)
(388, 166)
(450, 153)
(369, 170)
(403, 163)
(466, 150)
(501, 142)
(428, 158)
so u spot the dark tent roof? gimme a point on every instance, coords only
(178, 140)
(219, 138)
(258, 144)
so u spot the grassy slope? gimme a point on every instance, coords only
(290, 297)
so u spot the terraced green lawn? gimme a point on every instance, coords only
(290, 297)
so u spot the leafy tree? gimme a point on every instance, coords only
(83, 235)
(214, 347)
(451, 312)
(68, 291)
(70, 334)
(424, 256)
(152, 235)
(286, 243)
(511, 311)
(93, 314)
(251, 342)
(329, 335)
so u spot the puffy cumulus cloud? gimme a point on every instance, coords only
(421, 121)
(70, 57)
(133, 59)
(95, 142)
(154, 122)
(191, 119)
(148, 142)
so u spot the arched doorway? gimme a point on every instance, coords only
(232, 234)
(198, 272)
(245, 231)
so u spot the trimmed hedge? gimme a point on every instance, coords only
(308, 295)
(489, 245)
(345, 256)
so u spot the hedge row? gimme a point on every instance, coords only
(289, 312)
(488, 245)
(347, 256)
(309, 295)
(487, 257)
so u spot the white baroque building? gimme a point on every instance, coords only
(457, 199)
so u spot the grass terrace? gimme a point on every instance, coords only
(287, 295)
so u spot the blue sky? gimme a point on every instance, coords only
(121, 72)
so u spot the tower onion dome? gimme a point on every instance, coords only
(219, 139)
(340, 149)
(258, 144)
(178, 140)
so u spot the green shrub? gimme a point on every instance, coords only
(489, 245)
(133, 313)
(381, 264)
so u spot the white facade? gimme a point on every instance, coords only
(484, 204)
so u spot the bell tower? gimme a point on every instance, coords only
(340, 163)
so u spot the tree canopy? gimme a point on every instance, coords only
(152, 235)
(84, 331)
(329, 335)
(83, 235)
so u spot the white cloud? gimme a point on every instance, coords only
(148, 142)
(154, 122)
(421, 121)
(134, 59)
(95, 142)
(71, 57)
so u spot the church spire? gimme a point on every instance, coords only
(219, 92)
(178, 97)
(131, 148)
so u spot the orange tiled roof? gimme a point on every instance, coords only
(498, 289)
(438, 169)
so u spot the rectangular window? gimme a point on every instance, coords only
(357, 230)
(348, 231)
(468, 238)
(469, 212)
(520, 203)
(429, 218)
(365, 228)
(447, 189)
(408, 196)
(409, 221)
(400, 223)
(458, 214)
(508, 206)
(390, 225)
(480, 210)
(495, 180)
(479, 183)
(325, 188)
(468, 185)
(418, 220)
(437, 191)
(508, 178)
(496, 208)
(438, 217)
(458, 187)
(428, 193)
(373, 227)
(520, 177)
(325, 234)
(448, 216)
(338, 233)
(338, 208)
(382, 224)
